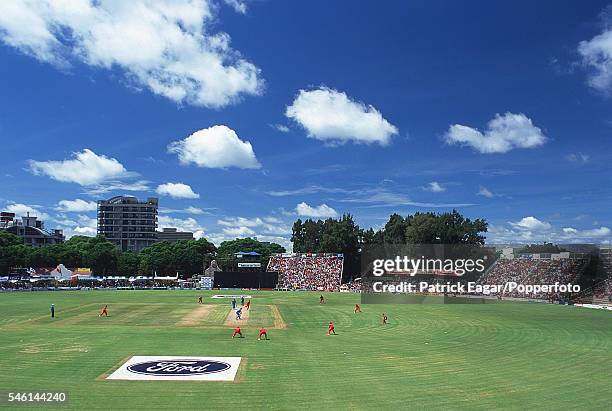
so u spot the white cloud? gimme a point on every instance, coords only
(238, 231)
(578, 158)
(188, 210)
(86, 226)
(591, 233)
(435, 187)
(100, 189)
(504, 133)
(237, 5)
(240, 221)
(176, 190)
(382, 197)
(306, 190)
(87, 231)
(280, 127)
(546, 233)
(597, 56)
(164, 46)
(531, 223)
(283, 241)
(321, 211)
(76, 206)
(373, 196)
(272, 220)
(485, 192)
(87, 168)
(269, 228)
(330, 115)
(194, 210)
(215, 147)
(266, 225)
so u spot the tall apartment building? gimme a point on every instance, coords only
(127, 222)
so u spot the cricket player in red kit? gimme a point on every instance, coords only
(384, 318)
(237, 332)
(248, 305)
(357, 308)
(104, 311)
(331, 328)
(262, 333)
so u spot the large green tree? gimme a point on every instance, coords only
(189, 255)
(395, 229)
(227, 260)
(13, 253)
(227, 249)
(102, 256)
(128, 263)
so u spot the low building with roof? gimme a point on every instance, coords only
(30, 229)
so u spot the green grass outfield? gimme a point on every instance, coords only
(428, 357)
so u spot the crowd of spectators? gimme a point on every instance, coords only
(27, 284)
(603, 290)
(303, 272)
(533, 271)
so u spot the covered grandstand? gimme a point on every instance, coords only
(306, 271)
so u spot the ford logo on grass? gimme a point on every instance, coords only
(180, 367)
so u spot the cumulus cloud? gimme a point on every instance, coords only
(485, 192)
(86, 231)
(85, 225)
(330, 115)
(215, 147)
(435, 187)
(321, 211)
(265, 225)
(504, 133)
(240, 221)
(531, 223)
(176, 190)
(269, 228)
(76, 206)
(241, 231)
(86, 168)
(596, 55)
(167, 47)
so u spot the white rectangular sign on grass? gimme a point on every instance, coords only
(177, 368)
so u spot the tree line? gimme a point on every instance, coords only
(343, 235)
(187, 257)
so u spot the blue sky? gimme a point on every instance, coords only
(242, 116)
